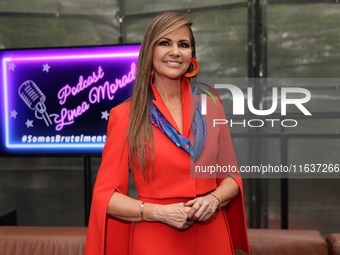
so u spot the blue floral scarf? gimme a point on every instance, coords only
(198, 127)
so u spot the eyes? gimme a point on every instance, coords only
(181, 44)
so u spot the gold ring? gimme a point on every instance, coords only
(199, 203)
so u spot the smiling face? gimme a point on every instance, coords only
(172, 54)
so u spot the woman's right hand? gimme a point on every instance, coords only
(174, 215)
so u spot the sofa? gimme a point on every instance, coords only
(333, 241)
(19, 240)
(281, 241)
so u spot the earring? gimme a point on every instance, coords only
(195, 71)
(152, 75)
(152, 72)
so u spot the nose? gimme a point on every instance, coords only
(175, 51)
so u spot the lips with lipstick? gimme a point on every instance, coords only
(176, 63)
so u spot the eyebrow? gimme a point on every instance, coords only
(168, 39)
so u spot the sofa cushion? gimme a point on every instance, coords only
(333, 241)
(42, 240)
(286, 242)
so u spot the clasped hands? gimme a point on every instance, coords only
(183, 215)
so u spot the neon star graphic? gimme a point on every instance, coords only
(105, 115)
(46, 68)
(29, 123)
(14, 114)
(11, 66)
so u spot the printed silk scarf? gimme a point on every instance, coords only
(198, 127)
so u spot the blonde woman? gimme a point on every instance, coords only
(159, 133)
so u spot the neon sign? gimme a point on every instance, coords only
(58, 100)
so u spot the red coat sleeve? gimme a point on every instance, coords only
(107, 235)
(234, 210)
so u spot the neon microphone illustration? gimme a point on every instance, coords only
(35, 100)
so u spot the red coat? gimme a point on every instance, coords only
(173, 182)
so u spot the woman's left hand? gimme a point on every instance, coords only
(202, 208)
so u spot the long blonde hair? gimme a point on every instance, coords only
(140, 135)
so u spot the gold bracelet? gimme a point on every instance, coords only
(219, 204)
(219, 201)
(142, 211)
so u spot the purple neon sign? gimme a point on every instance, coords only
(60, 99)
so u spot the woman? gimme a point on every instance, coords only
(161, 135)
